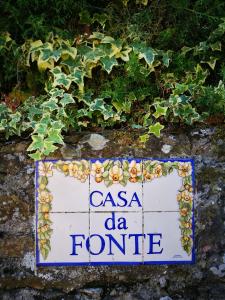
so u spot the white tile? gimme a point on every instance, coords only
(66, 230)
(166, 236)
(69, 194)
(160, 194)
(104, 233)
(115, 197)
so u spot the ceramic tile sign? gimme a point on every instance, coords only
(114, 211)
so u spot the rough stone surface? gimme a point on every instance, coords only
(204, 280)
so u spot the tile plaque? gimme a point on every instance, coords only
(114, 211)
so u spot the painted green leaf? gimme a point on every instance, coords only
(105, 174)
(155, 129)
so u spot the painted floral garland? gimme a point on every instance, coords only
(114, 172)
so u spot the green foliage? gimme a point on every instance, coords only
(102, 67)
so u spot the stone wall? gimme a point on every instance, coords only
(204, 280)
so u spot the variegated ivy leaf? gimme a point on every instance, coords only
(77, 76)
(166, 57)
(49, 147)
(60, 78)
(144, 2)
(100, 18)
(35, 45)
(174, 100)
(156, 129)
(36, 156)
(108, 63)
(70, 64)
(89, 66)
(216, 46)
(116, 48)
(54, 136)
(51, 104)
(145, 52)
(211, 62)
(68, 51)
(99, 105)
(160, 111)
(40, 128)
(56, 92)
(107, 40)
(144, 138)
(57, 124)
(94, 55)
(44, 64)
(97, 35)
(124, 54)
(15, 118)
(37, 143)
(67, 99)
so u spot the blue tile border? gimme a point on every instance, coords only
(65, 264)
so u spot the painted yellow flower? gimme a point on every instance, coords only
(185, 239)
(45, 197)
(97, 169)
(45, 169)
(86, 166)
(73, 170)
(81, 176)
(187, 225)
(148, 176)
(157, 171)
(184, 212)
(116, 174)
(134, 169)
(43, 242)
(98, 179)
(186, 196)
(188, 187)
(184, 169)
(65, 168)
